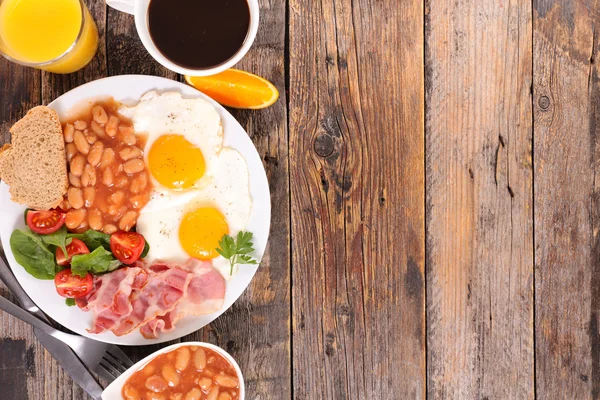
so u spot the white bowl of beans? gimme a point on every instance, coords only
(183, 371)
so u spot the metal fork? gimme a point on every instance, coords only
(107, 360)
(88, 350)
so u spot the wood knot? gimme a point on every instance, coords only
(231, 346)
(344, 310)
(544, 102)
(324, 145)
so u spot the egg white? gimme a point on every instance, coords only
(195, 119)
(228, 192)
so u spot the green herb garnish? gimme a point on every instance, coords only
(70, 302)
(237, 250)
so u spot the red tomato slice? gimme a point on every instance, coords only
(73, 286)
(127, 246)
(75, 247)
(45, 222)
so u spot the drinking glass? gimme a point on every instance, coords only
(53, 35)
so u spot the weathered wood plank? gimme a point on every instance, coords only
(13, 368)
(566, 156)
(125, 52)
(479, 199)
(256, 330)
(26, 88)
(20, 90)
(357, 199)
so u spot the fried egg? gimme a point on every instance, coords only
(201, 189)
(190, 224)
(184, 138)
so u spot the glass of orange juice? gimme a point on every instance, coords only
(54, 35)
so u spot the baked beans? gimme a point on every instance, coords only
(106, 191)
(90, 137)
(181, 374)
(68, 133)
(71, 151)
(95, 154)
(80, 125)
(81, 143)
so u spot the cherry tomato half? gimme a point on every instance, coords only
(127, 246)
(45, 222)
(75, 247)
(73, 286)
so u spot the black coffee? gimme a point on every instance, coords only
(198, 34)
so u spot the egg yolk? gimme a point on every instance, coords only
(200, 232)
(175, 162)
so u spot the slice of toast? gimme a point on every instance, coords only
(34, 164)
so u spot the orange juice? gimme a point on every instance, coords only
(54, 35)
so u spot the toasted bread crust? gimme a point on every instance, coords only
(34, 166)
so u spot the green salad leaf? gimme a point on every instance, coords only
(146, 249)
(58, 239)
(97, 262)
(36, 252)
(70, 302)
(33, 254)
(93, 239)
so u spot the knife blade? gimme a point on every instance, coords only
(70, 363)
(59, 350)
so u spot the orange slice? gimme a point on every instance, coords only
(236, 88)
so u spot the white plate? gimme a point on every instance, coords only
(128, 89)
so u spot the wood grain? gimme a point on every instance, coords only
(479, 200)
(357, 200)
(125, 52)
(256, 330)
(27, 88)
(567, 153)
(40, 377)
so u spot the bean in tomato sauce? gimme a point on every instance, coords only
(108, 179)
(187, 373)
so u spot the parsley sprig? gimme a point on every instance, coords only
(237, 250)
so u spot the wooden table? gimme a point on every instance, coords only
(435, 207)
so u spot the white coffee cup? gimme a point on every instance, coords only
(139, 9)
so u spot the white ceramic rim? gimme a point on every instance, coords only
(141, 24)
(113, 391)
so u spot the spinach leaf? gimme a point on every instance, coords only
(146, 249)
(97, 262)
(33, 254)
(93, 239)
(58, 239)
(70, 302)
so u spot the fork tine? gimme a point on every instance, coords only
(109, 369)
(109, 360)
(120, 357)
(103, 373)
